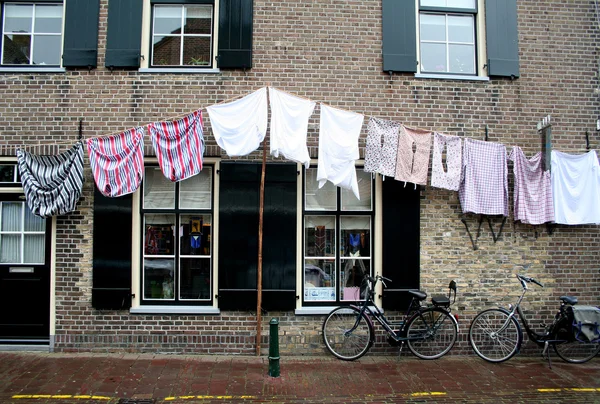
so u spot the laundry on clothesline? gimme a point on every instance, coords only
(382, 147)
(447, 177)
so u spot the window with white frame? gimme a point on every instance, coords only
(447, 32)
(177, 239)
(32, 33)
(22, 235)
(338, 231)
(182, 35)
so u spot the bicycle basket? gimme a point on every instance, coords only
(586, 323)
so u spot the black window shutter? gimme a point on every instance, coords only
(399, 36)
(81, 33)
(111, 252)
(235, 34)
(124, 35)
(400, 252)
(502, 38)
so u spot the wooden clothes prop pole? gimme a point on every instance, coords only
(260, 248)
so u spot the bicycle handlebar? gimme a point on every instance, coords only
(377, 279)
(528, 279)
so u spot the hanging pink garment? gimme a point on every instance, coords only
(532, 194)
(118, 162)
(446, 177)
(414, 150)
(179, 146)
(382, 147)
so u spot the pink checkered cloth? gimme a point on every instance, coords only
(484, 187)
(533, 202)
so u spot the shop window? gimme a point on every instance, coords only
(337, 240)
(177, 239)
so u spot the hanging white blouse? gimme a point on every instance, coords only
(576, 188)
(338, 148)
(289, 125)
(239, 126)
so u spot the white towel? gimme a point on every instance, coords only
(576, 188)
(289, 125)
(239, 126)
(338, 148)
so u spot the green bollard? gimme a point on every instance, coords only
(274, 348)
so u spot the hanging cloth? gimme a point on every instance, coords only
(448, 177)
(576, 188)
(52, 184)
(532, 190)
(382, 147)
(414, 150)
(239, 126)
(179, 146)
(117, 162)
(484, 186)
(289, 125)
(338, 148)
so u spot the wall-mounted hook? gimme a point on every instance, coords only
(80, 128)
(486, 133)
(587, 140)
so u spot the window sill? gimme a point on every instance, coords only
(174, 310)
(307, 311)
(450, 77)
(178, 70)
(30, 70)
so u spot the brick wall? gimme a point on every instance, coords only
(330, 51)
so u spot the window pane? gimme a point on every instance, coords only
(319, 280)
(319, 236)
(462, 59)
(167, 19)
(18, 17)
(353, 273)
(195, 235)
(198, 20)
(319, 199)
(33, 249)
(195, 278)
(33, 222)
(158, 234)
(433, 57)
(46, 50)
(48, 19)
(158, 279)
(355, 236)
(7, 173)
(349, 201)
(11, 216)
(10, 248)
(460, 29)
(166, 51)
(449, 3)
(433, 27)
(196, 51)
(196, 191)
(159, 192)
(16, 49)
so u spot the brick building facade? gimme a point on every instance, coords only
(328, 51)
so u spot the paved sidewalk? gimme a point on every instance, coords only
(34, 377)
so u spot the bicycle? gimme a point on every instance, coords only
(429, 331)
(496, 336)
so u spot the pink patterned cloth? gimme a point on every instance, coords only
(446, 177)
(533, 203)
(484, 187)
(414, 150)
(382, 147)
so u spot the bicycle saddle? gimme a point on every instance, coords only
(569, 299)
(420, 295)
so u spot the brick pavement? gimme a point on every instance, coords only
(34, 377)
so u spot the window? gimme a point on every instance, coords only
(182, 35)
(22, 235)
(9, 174)
(32, 34)
(447, 36)
(177, 244)
(337, 240)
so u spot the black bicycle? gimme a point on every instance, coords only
(496, 336)
(429, 331)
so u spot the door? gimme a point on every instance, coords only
(24, 273)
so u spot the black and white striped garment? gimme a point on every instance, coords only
(52, 184)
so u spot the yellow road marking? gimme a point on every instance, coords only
(575, 389)
(209, 398)
(58, 396)
(431, 393)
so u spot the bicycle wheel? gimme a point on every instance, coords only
(493, 336)
(347, 334)
(431, 333)
(572, 350)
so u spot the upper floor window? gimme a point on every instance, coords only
(447, 36)
(32, 34)
(182, 35)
